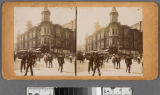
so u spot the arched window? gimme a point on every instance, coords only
(44, 40)
(113, 31)
(45, 30)
(48, 41)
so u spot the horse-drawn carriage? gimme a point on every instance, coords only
(20, 54)
(80, 56)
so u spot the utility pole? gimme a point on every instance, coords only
(76, 44)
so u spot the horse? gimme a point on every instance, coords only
(81, 58)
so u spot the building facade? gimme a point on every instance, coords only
(47, 36)
(116, 37)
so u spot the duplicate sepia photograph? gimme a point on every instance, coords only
(44, 41)
(109, 41)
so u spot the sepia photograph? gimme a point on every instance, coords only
(44, 41)
(79, 41)
(79, 91)
(109, 41)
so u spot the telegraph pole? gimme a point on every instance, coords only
(76, 43)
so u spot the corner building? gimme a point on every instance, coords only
(116, 37)
(48, 37)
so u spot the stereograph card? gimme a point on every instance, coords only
(80, 41)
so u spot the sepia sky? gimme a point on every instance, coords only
(59, 15)
(88, 16)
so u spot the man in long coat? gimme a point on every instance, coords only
(30, 62)
(96, 64)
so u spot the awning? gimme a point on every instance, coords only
(106, 50)
(38, 49)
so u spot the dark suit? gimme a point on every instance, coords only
(30, 62)
(96, 65)
(23, 62)
(90, 65)
(61, 62)
(128, 61)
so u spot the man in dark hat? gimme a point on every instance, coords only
(61, 62)
(23, 62)
(96, 64)
(118, 61)
(90, 65)
(128, 61)
(30, 60)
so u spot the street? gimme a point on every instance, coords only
(108, 69)
(41, 70)
(82, 69)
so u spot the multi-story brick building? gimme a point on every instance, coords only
(47, 36)
(116, 37)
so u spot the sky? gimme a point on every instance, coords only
(88, 16)
(59, 15)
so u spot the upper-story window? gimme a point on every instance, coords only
(113, 31)
(45, 40)
(34, 33)
(34, 43)
(45, 30)
(110, 32)
(30, 35)
(42, 31)
(58, 32)
(21, 38)
(25, 37)
(102, 34)
(88, 41)
(93, 38)
(126, 32)
(67, 35)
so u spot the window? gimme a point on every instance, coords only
(113, 41)
(58, 33)
(30, 35)
(34, 43)
(113, 31)
(30, 43)
(48, 41)
(25, 37)
(102, 35)
(34, 34)
(44, 30)
(67, 35)
(102, 44)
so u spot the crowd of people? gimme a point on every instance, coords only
(97, 60)
(30, 58)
